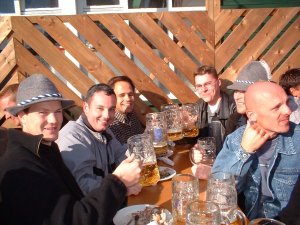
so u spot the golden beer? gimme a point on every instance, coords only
(149, 175)
(190, 132)
(160, 149)
(174, 135)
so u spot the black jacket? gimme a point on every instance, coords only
(37, 188)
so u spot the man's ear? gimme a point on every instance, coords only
(85, 107)
(251, 116)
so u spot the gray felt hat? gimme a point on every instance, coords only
(251, 73)
(34, 89)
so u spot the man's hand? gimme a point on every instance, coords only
(129, 171)
(134, 190)
(201, 171)
(254, 137)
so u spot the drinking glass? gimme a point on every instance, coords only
(265, 221)
(221, 190)
(156, 126)
(142, 146)
(203, 213)
(204, 152)
(185, 188)
(189, 120)
(174, 122)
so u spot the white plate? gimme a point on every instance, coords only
(124, 215)
(171, 173)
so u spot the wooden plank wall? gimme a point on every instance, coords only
(165, 49)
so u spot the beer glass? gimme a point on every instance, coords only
(265, 221)
(221, 190)
(204, 213)
(185, 188)
(204, 152)
(156, 126)
(141, 145)
(174, 122)
(189, 120)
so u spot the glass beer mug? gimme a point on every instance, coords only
(221, 190)
(141, 145)
(189, 120)
(156, 126)
(174, 121)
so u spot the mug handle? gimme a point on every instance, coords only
(241, 216)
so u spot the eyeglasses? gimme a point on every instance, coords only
(207, 85)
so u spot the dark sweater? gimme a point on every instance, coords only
(37, 188)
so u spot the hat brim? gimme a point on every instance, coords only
(14, 110)
(238, 86)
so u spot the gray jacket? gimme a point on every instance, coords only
(89, 155)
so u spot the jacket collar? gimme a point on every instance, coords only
(31, 142)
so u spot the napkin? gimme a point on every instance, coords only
(166, 160)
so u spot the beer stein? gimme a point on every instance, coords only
(221, 190)
(185, 188)
(189, 120)
(141, 145)
(265, 221)
(156, 126)
(174, 121)
(204, 213)
(204, 152)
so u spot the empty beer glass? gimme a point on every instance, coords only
(221, 190)
(141, 145)
(204, 213)
(156, 126)
(174, 122)
(204, 152)
(185, 188)
(189, 120)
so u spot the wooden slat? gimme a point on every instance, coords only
(7, 60)
(57, 30)
(287, 41)
(189, 39)
(40, 44)
(256, 46)
(117, 57)
(291, 62)
(225, 21)
(239, 36)
(5, 28)
(164, 44)
(202, 23)
(147, 57)
(35, 66)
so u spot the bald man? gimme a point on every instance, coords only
(265, 155)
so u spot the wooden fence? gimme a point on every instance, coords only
(158, 51)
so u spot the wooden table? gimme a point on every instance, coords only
(161, 194)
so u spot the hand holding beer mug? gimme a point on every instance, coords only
(156, 126)
(185, 188)
(204, 151)
(221, 190)
(141, 145)
(204, 213)
(189, 120)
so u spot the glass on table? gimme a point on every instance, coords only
(204, 151)
(265, 221)
(189, 120)
(204, 213)
(221, 190)
(185, 188)
(174, 121)
(142, 146)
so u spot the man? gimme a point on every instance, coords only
(7, 99)
(88, 148)
(214, 105)
(249, 74)
(126, 123)
(290, 82)
(35, 185)
(264, 156)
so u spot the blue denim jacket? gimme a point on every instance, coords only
(282, 176)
